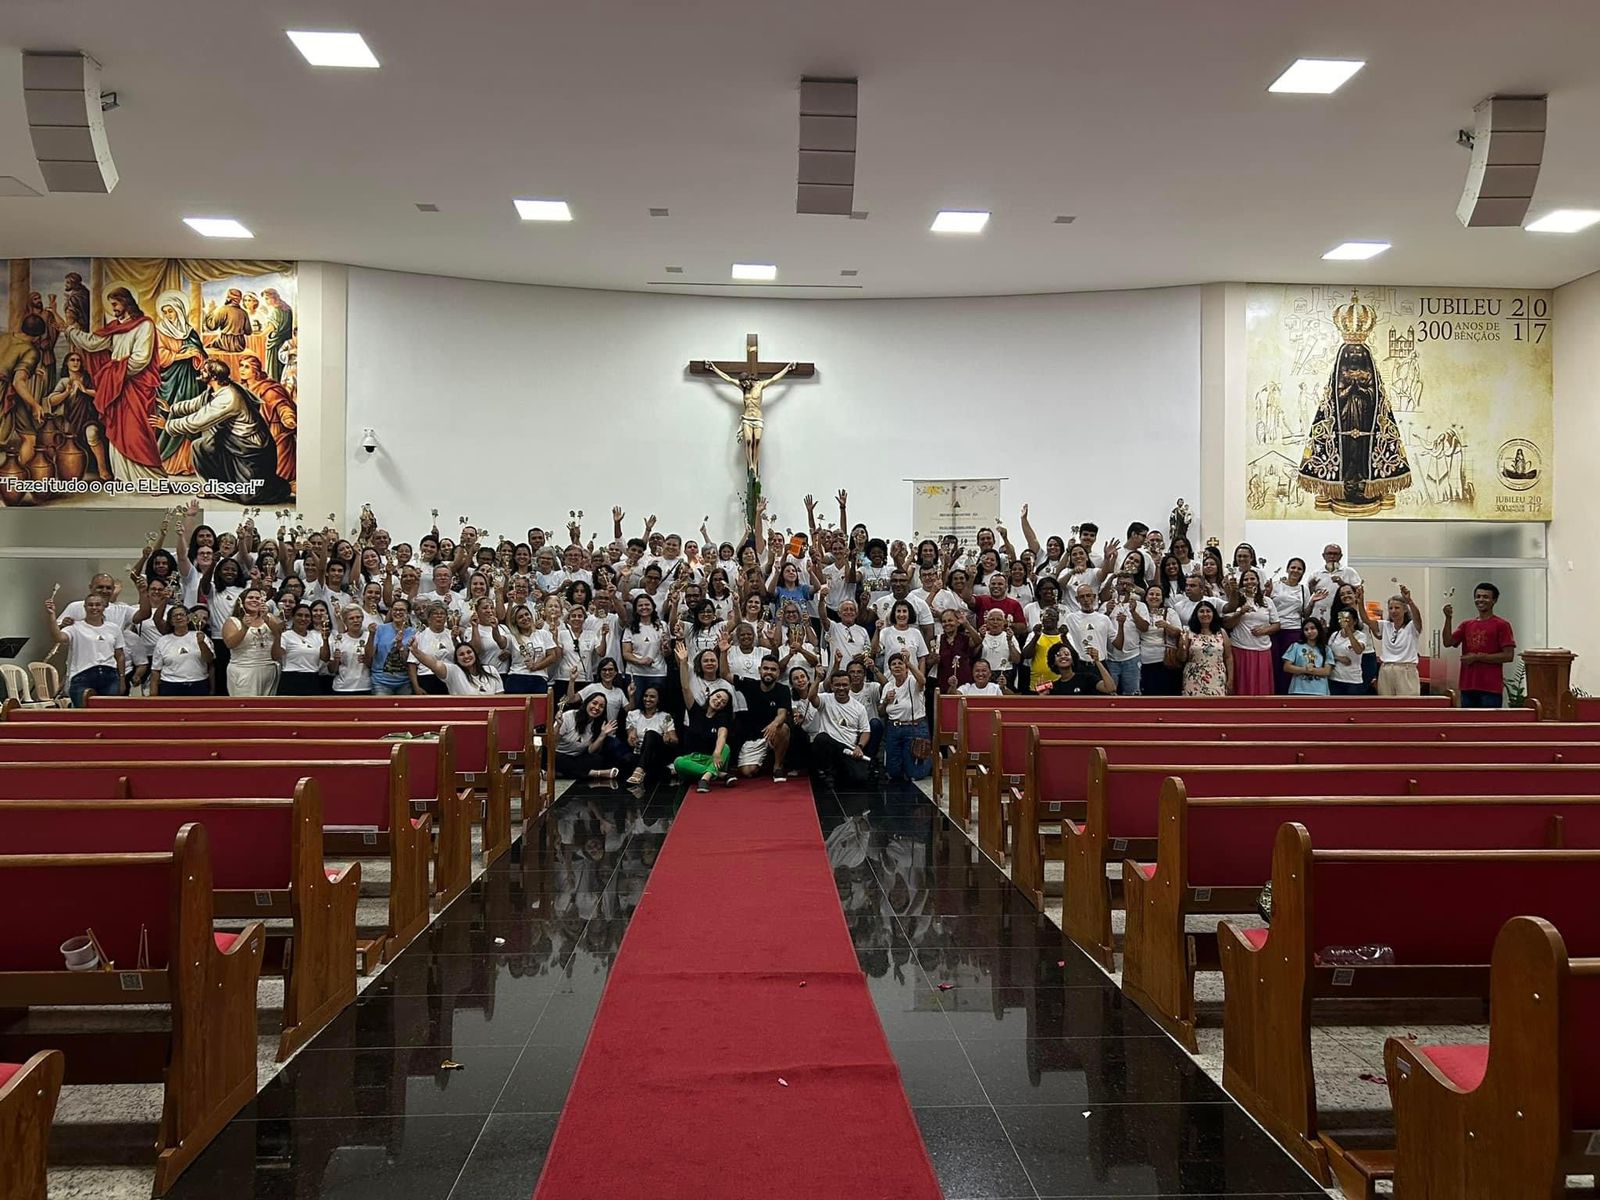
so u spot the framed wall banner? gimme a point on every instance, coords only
(140, 380)
(957, 507)
(1414, 403)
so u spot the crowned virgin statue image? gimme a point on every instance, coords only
(1354, 461)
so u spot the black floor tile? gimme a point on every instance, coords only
(937, 1073)
(1049, 1012)
(1088, 1072)
(1015, 966)
(392, 1081)
(971, 1153)
(503, 1018)
(372, 1158)
(542, 1078)
(1148, 1150)
(1016, 929)
(505, 1163)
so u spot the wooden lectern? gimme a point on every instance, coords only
(1549, 681)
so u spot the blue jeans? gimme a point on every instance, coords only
(380, 688)
(898, 762)
(102, 680)
(875, 731)
(1475, 699)
(1127, 673)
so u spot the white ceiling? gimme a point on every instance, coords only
(1147, 121)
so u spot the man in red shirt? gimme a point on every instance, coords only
(997, 598)
(1487, 644)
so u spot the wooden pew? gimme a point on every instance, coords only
(1515, 1116)
(975, 718)
(1214, 855)
(266, 862)
(472, 752)
(207, 980)
(366, 813)
(28, 1094)
(1439, 911)
(517, 719)
(432, 753)
(1121, 811)
(1018, 748)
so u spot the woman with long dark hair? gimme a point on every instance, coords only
(581, 735)
(1206, 653)
(1307, 661)
(180, 664)
(1250, 623)
(652, 738)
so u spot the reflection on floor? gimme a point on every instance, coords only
(1029, 1075)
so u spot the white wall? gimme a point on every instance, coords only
(1574, 565)
(514, 404)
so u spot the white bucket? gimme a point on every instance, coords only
(80, 954)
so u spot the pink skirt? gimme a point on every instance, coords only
(1252, 672)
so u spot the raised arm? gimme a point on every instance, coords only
(719, 372)
(1028, 535)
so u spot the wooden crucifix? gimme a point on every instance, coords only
(751, 377)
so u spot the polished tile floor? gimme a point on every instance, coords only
(1029, 1074)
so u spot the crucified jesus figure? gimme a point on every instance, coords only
(752, 388)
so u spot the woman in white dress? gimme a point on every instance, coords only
(251, 636)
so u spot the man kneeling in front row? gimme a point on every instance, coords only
(764, 723)
(841, 743)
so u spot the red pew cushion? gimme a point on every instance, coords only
(1461, 1065)
(225, 941)
(1256, 937)
(7, 1070)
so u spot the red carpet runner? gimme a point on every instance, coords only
(678, 1092)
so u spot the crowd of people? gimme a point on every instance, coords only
(819, 649)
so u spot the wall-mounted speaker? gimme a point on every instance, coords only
(1507, 148)
(826, 182)
(61, 93)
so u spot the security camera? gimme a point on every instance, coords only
(369, 441)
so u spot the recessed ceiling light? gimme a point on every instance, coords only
(1357, 250)
(217, 227)
(1065, 220)
(1564, 220)
(674, 270)
(1317, 76)
(850, 274)
(427, 208)
(756, 271)
(543, 210)
(954, 221)
(332, 49)
(659, 212)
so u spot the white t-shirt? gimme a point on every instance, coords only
(971, 689)
(577, 656)
(947, 601)
(1398, 643)
(139, 640)
(117, 613)
(844, 723)
(92, 646)
(875, 580)
(1033, 613)
(844, 643)
(302, 652)
(893, 641)
(1182, 608)
(1289, 602)
(1247, 635)
(1132, 639)
(435, 645)
(489, 652)
(1329, 581)
(997, 649)
(221, 606)
(616, 698)
(1085, 629)
(646, 643)
(525, 651)
(904, 702)
(178, 658)
(921, 614)
(870, 695)
(1339, 647)
(659, 721)
(353, 674)
(459, 683)
(743, 665)
(1153, 641)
